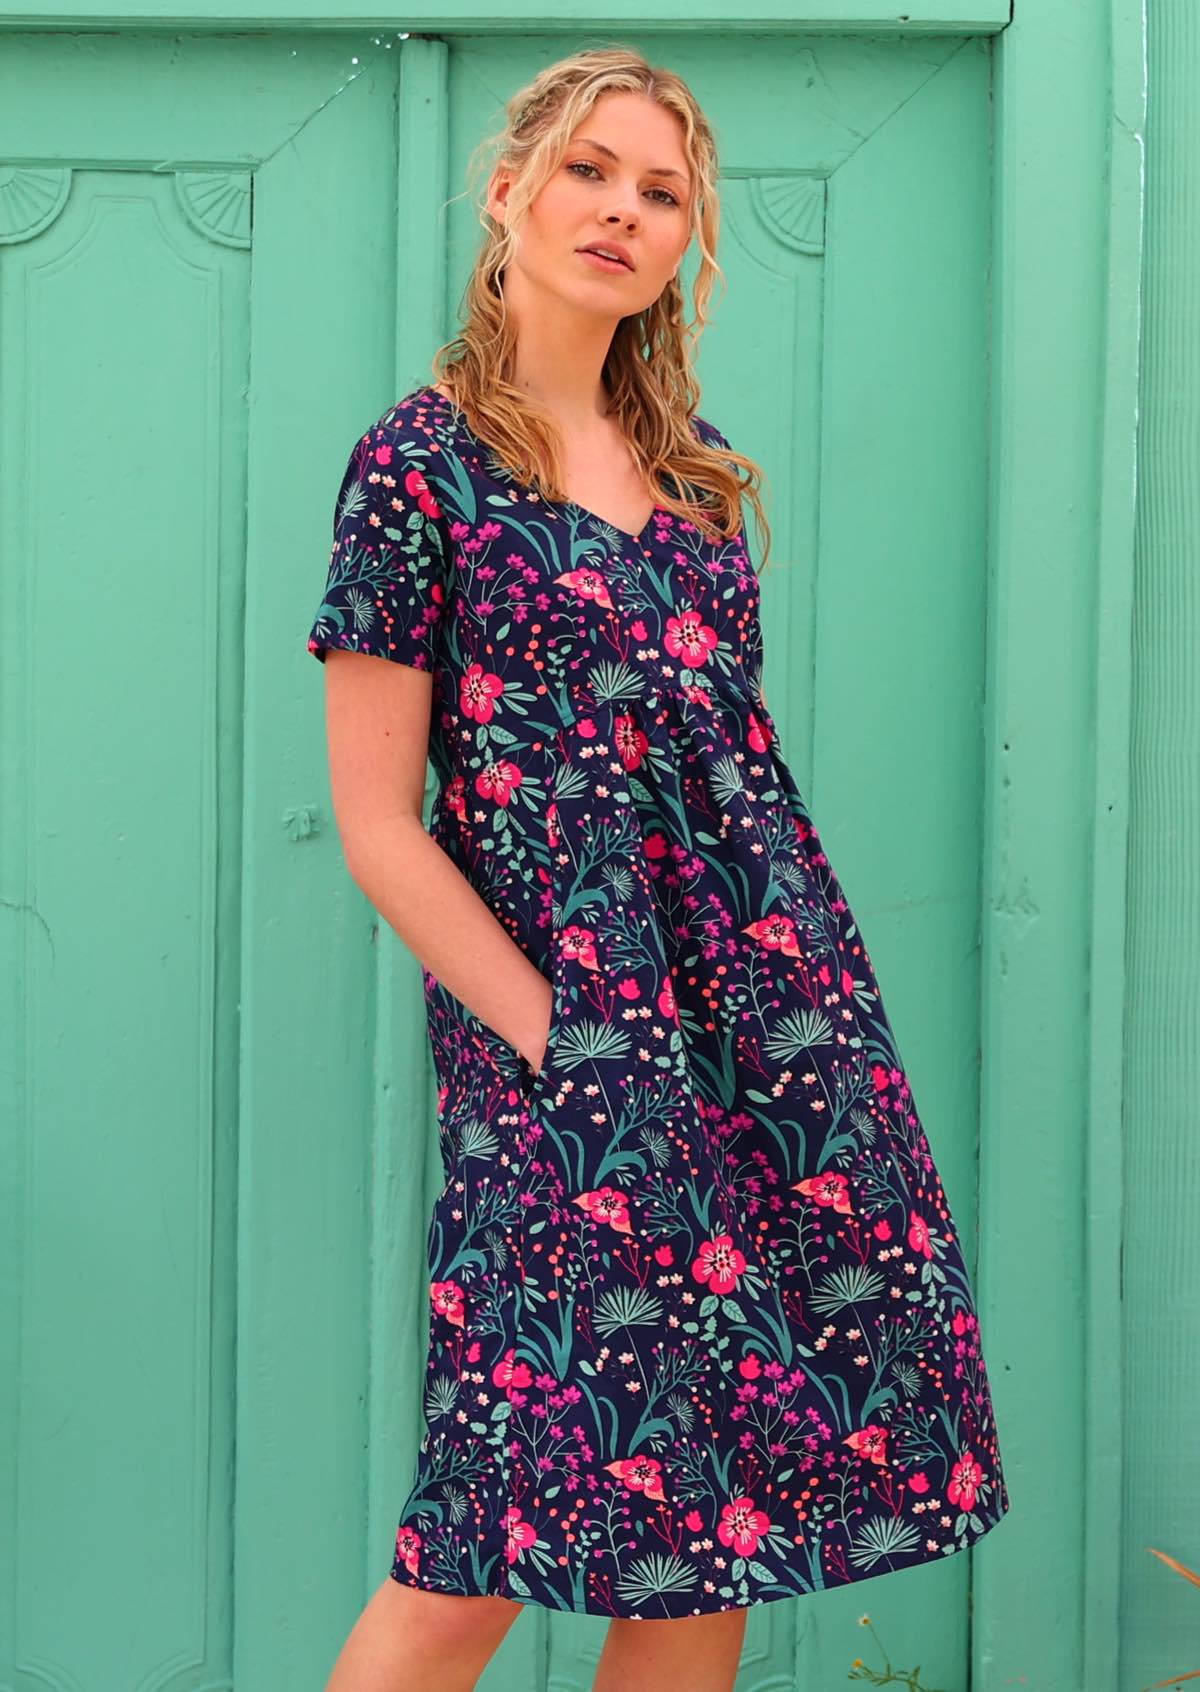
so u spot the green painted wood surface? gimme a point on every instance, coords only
(1160, 1378)
(865, 17)
(216, 1061)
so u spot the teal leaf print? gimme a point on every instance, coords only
(881, 1538)
(797, 1033)
(850, 1285)
(650, 1577)
(627, 1307)
(589, 1041)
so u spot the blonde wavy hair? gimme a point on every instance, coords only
(648, 371)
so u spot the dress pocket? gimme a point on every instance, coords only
(534, 1082)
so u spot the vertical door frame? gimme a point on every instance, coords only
(1070, 106)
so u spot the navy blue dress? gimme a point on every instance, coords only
(701, 1331)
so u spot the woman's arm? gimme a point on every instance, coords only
(377, 728)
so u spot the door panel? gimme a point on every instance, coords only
(195, 312)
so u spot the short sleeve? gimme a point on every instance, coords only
(387, 587)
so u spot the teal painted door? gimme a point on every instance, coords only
(219, 258)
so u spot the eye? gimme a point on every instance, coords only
(586, 164)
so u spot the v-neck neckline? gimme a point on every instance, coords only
(560, 504)
(605, 522)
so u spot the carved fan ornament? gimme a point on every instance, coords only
(31, 197)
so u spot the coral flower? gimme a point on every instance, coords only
(719, 1264)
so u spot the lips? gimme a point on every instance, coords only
(613, 247)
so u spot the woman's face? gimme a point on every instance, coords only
(624, 180)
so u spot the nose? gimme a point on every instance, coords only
(629, 218)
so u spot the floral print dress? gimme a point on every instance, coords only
(701, 1332)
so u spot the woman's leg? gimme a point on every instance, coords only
(688, 1654)
(407, 1640)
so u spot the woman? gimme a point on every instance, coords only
(701, 1334)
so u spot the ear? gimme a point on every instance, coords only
(497, 201)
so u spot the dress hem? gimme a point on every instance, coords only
(965, 1542)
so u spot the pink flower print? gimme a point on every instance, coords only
(520, 1533)
(448, 1301)
(631, 742)
(553, 837)
(698, 696)
(408, 1547)
(639, 1474)
(918, 1482)
(509, 1373)
(693, 1521)
(664, 1256)
(666, 1002)
(918, 1234)
(588, 584)
(718, 1264)
(477, 690)
(656, 845)
(759, 737)
(580, 943)
(830, 1189)
(454, 797)
(497, 781)
(689, 637)
(847, 983)
(606, 1204)
(870, 1441)
(742, 1526)
(777, 933)
(964, 1482)
(415, 486)
(750, 1368)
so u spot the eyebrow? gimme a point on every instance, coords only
(655, 170)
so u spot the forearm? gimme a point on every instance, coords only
(434, 909)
